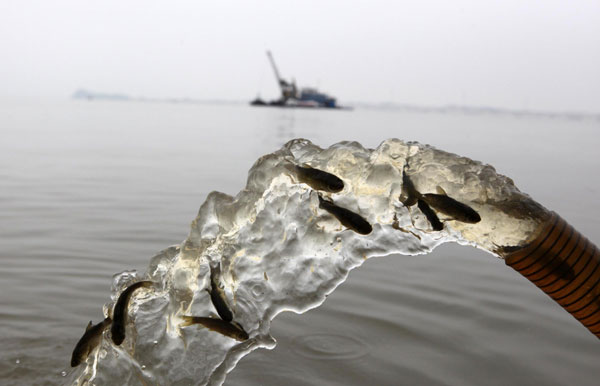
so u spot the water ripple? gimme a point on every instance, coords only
(329, 346)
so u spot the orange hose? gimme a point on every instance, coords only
(566, 266)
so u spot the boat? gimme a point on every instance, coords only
(293, 98)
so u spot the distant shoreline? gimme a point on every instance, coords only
(478, 110)
(83, 94)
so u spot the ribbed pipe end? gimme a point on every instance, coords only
(566, 266)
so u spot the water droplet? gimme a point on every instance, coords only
(155, 342)
(143, 367)
(63, 373)
(18, 361)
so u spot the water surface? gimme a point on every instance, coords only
(89, 189)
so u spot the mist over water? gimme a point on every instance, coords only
(89, 189)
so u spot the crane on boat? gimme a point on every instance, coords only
(291, 97)
(288, 90)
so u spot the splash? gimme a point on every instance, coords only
(278, 250)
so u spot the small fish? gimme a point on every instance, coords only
(117, 329)
(431, 216)
(348, 218)
(450, 207)
(228, 329)
(409, 195)
(217, 295)
(319, 179)
(558, 267)
(89, 341)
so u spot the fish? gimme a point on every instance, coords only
(88, 342)
(231, 330)
(555, 265)
(319, 179)
(450, 207)
(433, 219)
(117, 330)
(558, 268)
(440, 202)
(348, 218)
(409, 195)
(217, 295)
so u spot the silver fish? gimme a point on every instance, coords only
(231, 330)
(348, 218)
(217, 295)
(89, 341)
(117, 330)
(450, 207)
(319, 179)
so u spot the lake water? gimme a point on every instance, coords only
(89, 189)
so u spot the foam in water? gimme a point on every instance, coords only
(279, 251)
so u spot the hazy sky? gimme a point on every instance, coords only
(514, 53)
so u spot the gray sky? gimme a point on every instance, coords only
(513, 53)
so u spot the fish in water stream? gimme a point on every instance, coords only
(231, 330)
(450, 207)
(217, 295)
(348, 218)
(409, 195)
(439, 202)
(435, 222)
(89, 341)
(117, 330)
(319, 179)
